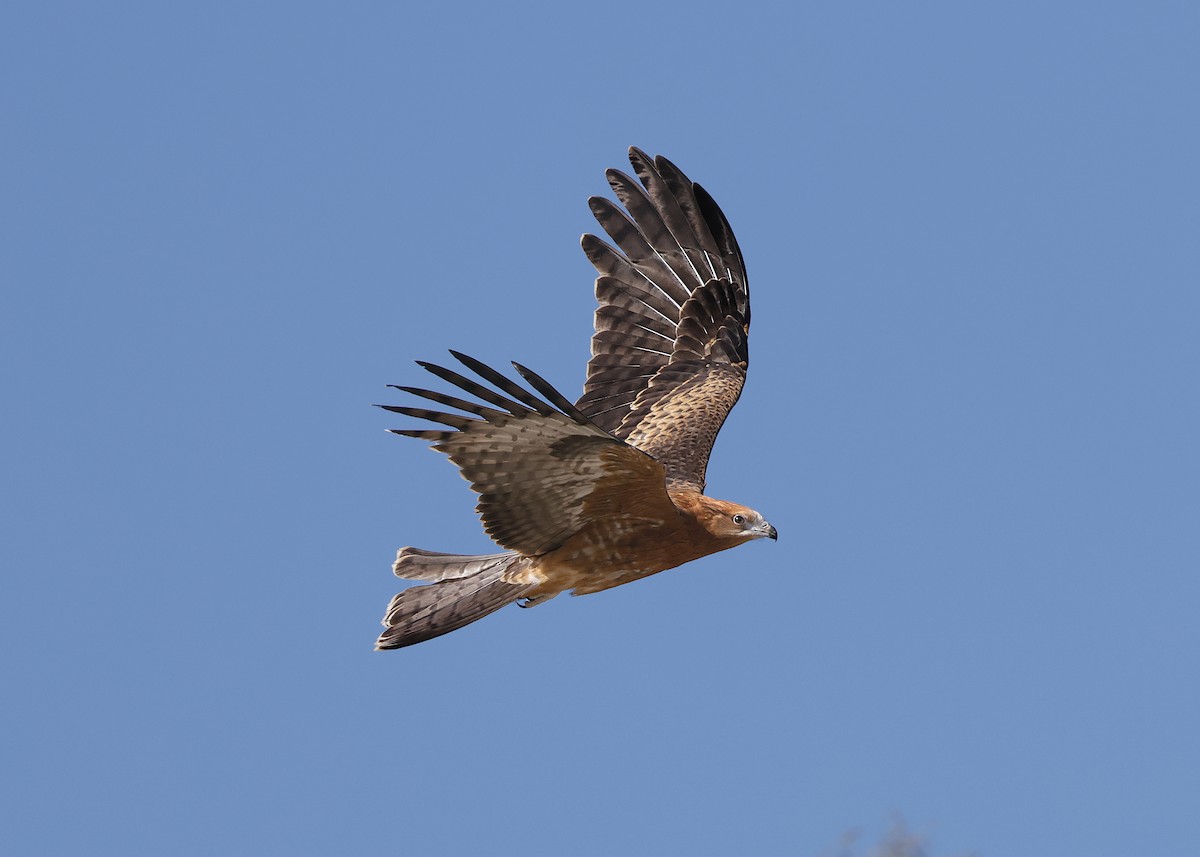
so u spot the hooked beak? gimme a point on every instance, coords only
(769, 532)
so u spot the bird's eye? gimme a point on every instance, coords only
(739, 519)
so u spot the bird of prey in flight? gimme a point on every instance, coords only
(610, 489)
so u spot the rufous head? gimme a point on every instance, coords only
(733, 521)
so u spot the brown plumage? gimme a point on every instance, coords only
(607, 490)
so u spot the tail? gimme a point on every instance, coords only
(460, 590)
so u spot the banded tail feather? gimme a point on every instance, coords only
(460, 590)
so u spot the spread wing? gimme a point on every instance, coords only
(542, 469)
(669, 354)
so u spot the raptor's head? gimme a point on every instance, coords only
(727, 520)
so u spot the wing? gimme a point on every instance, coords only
(542, 469)
(669, 354)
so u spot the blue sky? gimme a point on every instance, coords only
(972, 412)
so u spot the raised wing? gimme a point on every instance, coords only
(542, 469)
(669, 354)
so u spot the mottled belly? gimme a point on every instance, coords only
(606, 557)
